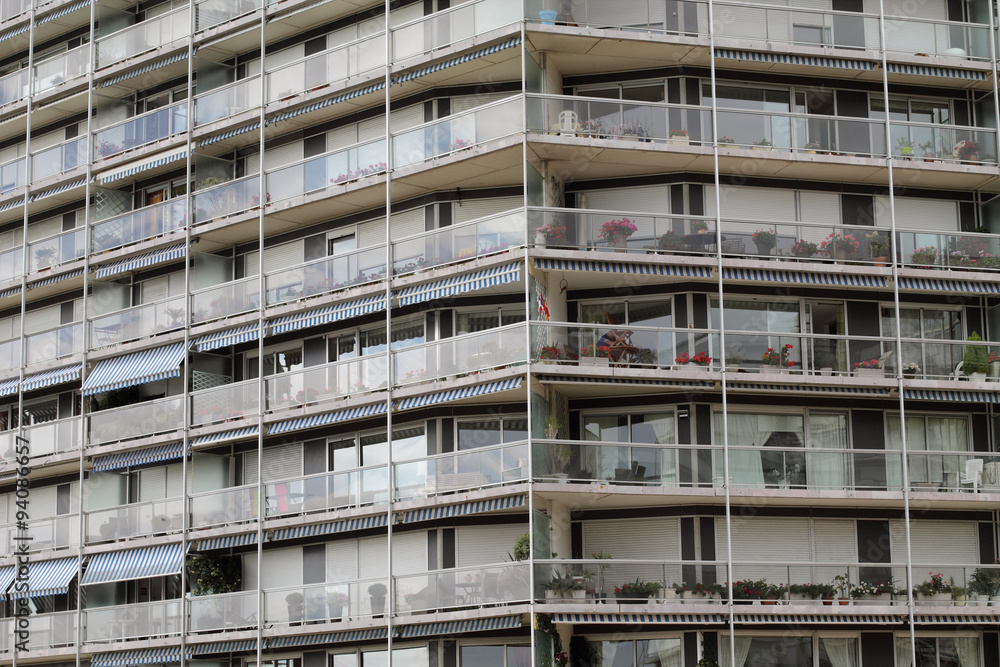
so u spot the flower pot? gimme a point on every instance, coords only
(977, 377)
(580, 594)
(869, 372)
(980, 601)
(378, 604)
(844, 601)
(994, 372)
(906, 150)
(882, 598)
(769, 601)
(680, 140)
(773, 369)
(619, 243)
(548, 16)
(764, 249)
(936, 598)
(539, 238)
(551, 595)
(826, 371)
(626, 598)
(995, 600)
(880, 261)
(960, 600)
(692, 596)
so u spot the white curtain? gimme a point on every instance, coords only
(828, 470)
(842, 652)
(744, 465)
(742, 651)
(663, 429)
(946, 435)
(665, 653)
(904, 656)
(968, 651)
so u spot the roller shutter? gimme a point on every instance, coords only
(342, 561)
(373, 558)
(660, 542)
(282, 568)
(407, 223)
(472, 209)
(409, 553)
(753, 557)
(649, 199)
(486, 545)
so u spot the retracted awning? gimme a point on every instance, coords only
(234, 434)
(329, 528)
(56, 279)
(327, 418)
(352, 636)
(439, 289)
(341, 311)
(233, 646)
(952, 396)
(941, 285)
(627, 268)
(461, 509)
(134, 564)
(824, 619)
(136, 368)
(137, 457)
(242, 334)
(641, 619)
(226, 542)
(142, 261)
(146, 656)
(459, 627)
(50, 378)
(6, 579)
(804, 277)
(142, 165)
(458, 394)
(48, 577)
(8, 387)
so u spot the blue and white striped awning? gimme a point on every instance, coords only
(50, 378)
(222, 136)
(474, 507)
(20, 30)
(8, 387)
(142, 261)
(804, 278)
(343, 97)
(439, 289)
(240, 334)
(351, 636)
(789, 59)
(56, 190)
(11, 204)
(797, 387)
(137, 368)
(445, 64)
(330, 528)
(137, 457)
(56, 279)
(64, 11)
(952, 396)
(145, 656)
(163, 62)
(123, 565)
(458, 394)
(6, 579)
(964, 619)
(234, 434)
(233, 646)
(226, 542)
(825, 619)
(939, 285)
(152, 162)
(946, 72)
(327, 418)
(640, 619)
(48, 577)
(10, 291)
(597, 266)
(460, 627)
(335, 313)
(622, 380)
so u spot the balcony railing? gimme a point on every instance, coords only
(134, 621)
(448, 26)
(226, 300)
(458, 243)
(61, 68)
(630, 15)
(230, 198)
(135, 520)
(141, 224)
(58, 159)
(226, 101)
(321, 602)
(319, 384)
(11, 175)
(11, 264)
(461, 471)
(460, 355)
(57, 250)
(229, 611)
(14, 86)
(137, 322)
(913, 35)
(142, 37)
(224, 403)
(54, 343)
(46, 439)
(138, 131)
(487, 585)
(210, 13)
(328, 68)
(327, 491)
(52, 630)
(457, 133)
(217, 508)
(330, 274)
(136, 421)
(13, 8)
(336, 168)
(10, 354)
(58, 532)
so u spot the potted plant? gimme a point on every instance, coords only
(878, 248)
(559, 586)
(522, 548)
(911, 370)
(679, 136)
(842, 585)
(825, 361)
(812, 146)
(839, 246)
(559, 457)
(870, 367)
(867, 592)
(928, 149)
(934, 589)
(959, 596)
(555, 234)
(699, 227)
(905, 146)
(670, 241)
(595, 355)
(44, 257)
(975, 361)
(616, 232)
(765, 240)
(776, 360)
(804, 249)
(726, 141)
(294, 601)
(700, 361)
(762, 145)
(983, 584)
(550, 353)
(735, 354)
(749, 589)
(589, 127)
(602, 567)
(967, 151)
(336, 602)
(924, 257)
(644, 357)
(376, 593)
(636, 592)
(994, 363)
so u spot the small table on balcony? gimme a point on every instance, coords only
(703, 240)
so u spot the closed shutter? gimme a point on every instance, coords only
(175, 480)
(77, 310)
(834, 541)
(660, 541)
(4, 501)
(405, 118)
(249, 579)
(276, 157)
(279, 257)
(43, 501)
(407, 223)
(342, 561)
(473, 209)
(486, 545)
(817, 208)
(373, 128)
(929, 214)
(281, 568)
(42, 319)
(409, 553)
(935, 544)
(752, 555)
(277, 59)
(282, 462)
(342, 137)
(163, 287)
(44, 229)
(650, 199)
(153, 484)
(250, 467)
(11, 152)
(47, 140)
(373, 558)
(466, 102)
(10, 327)
(10, 239)
(342, 36)
(74, 498)
(768, 205)
(371, 233)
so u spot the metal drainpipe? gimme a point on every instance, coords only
(261, 300)
(899, 343)
(390, 588)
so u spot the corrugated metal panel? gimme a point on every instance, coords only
(472, 209)
(281, 568)
(485, 545)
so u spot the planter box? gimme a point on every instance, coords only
(883, 598)
(869, 372)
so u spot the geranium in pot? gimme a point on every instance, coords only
(670, 241)
(554, 234)
(765, 240)
(935, 589)
(700, 360)
(616, 232)
(777, 360)
(878, 248)
(804, 249)
(925, 257)
(839, 246)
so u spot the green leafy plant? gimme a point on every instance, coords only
(670, 241)
(878, 246)
(377, 589)
(935, 585)
(522, 547)
(984, 581)
(638, 589)
(975, 358)
(213, 575)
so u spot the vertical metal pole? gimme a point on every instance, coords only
(261, 501)
(390, 602)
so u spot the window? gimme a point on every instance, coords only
(341, 244)
(489, 432)
(276, 362)
(934, 359)
(792, 651)
(810, 34)
(771, 319)
(481, 320)
(654, 313)
(665, 652)
(939, 652)
(625, 463)
(495, 656)
(929, 433)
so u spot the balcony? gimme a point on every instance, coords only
(14, 87)
(57, 250)
(11, 264)
(139, 131)
(137, 322)
(449, 26)
(461, 355)
(457, 133)
(139, 225)
(226, 300)
(228, 611)
(461, 471)
(59, 69)
(338, 167)
(230, 198)
(59, 159)
(327, 491)
(13, 8)
(225, 403)
(459, 243)
(488, 585)
(141, 620)
(46, 439)
(329, 68)
(59, 532)
(54, 344)
(227, 101)
(137, 421)
(134, 520)
(10, 354)
(209, 13)
(11, 176)
(319, 384)
(228, 506)
(142, 37)
(321, 602)
(330, 274)
(45, 631)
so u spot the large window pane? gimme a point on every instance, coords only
(485, 656)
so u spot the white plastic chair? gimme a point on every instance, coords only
(973, 473)
(568, 121)
(958, 371)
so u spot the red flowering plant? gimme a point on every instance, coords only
(835, 244)
(700, 358)
(935, 586)
(778, 357)
(618, 229)
(550, 352)
(560, 659)
(552, 233)
(599, 351)
(749, 589)
(870, 363)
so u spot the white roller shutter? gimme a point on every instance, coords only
(928, 214)
(281, 568)
(74, 497)
(752, 556)
(373, 558)
(405, 118)
(277, 59)
(276, 258)
(175, 480)
(834, 541)
(486, 545)
(407, 223)
(342, 137)
(10, 239)
(282, 462)
(44, 229)
(47, 140)
(43, 501)
(409, 553)
(42, 319)
(936, 544)
(768, 205)
(817, 208)
(647, 199)
(370, 129)
(660, 541)
(466, 102)
(10, 327)
(249, 580)
(371, 233)
(342, 561)
(4, 500)
(163, 287)
(153, 484)
(473, 209)
(276, 157)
